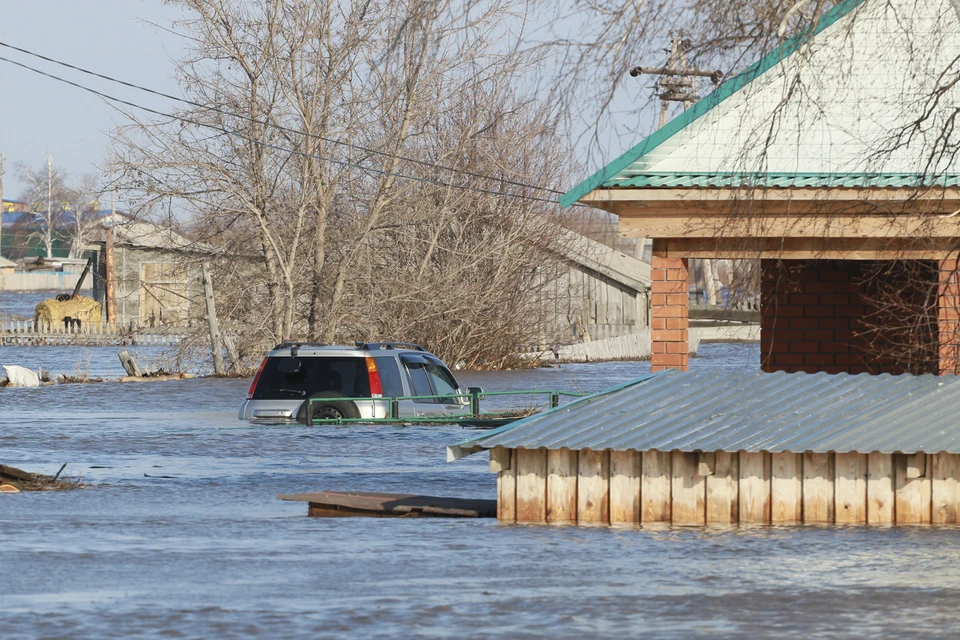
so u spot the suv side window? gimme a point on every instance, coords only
(442, 379)
(389, 377)
(415, 365)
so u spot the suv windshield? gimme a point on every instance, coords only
(285, 377)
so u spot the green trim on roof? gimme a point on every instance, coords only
(724, 91)
(665, 179)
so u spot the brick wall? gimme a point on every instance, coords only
(948, 310)
(849, 316)
(669, 314)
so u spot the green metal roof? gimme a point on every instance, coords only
(724, 91)
(783, 180)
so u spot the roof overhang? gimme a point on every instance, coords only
(797, 222)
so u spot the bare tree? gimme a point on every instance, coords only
(360, 157)
(46, 193)
(83, 198)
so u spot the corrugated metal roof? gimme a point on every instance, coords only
(748, 411)
(781, 180)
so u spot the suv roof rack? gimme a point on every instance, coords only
(295, 343)
(373, 346)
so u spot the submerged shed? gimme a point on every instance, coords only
(721, 447)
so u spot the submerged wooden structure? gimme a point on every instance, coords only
(689, 488)
(337, 504)
(716, 447)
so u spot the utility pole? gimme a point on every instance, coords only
(678, 83)
(3, 168)
(48, 231)
(216, 343)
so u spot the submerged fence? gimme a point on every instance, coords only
(30, 333)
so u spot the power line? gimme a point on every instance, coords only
(237, 134)
(266, 124)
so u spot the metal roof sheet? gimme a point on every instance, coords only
(780, 180)
(748, 411)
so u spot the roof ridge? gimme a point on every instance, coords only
(787, 48)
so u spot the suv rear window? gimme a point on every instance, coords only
(346, 376)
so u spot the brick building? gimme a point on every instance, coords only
(829, 161)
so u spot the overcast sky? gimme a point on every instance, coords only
(38, 114)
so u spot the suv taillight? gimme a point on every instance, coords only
(376, 389)
(256, 378)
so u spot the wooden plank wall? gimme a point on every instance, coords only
(724, 488)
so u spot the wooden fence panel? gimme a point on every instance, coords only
(754, 498)
(818, 479)
(688, 491)
(944, 489)
(593, 486)
(655, 487)
(786, 488)
(507, 489)
(562, 485)
(913, 488)
(625, 472)
(850, 488)
(723, 485)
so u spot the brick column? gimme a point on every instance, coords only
(670, 314)
(948, 312)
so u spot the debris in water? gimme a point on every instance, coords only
(14, 480)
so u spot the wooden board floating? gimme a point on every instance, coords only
(336, 504)
(725, 488)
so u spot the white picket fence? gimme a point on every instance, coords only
(27, 332)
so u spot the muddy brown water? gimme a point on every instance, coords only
(183, 536)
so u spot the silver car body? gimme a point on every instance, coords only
(260, 409)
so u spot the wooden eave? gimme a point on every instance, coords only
(795, 223)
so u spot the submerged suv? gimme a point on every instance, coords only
(351, 382)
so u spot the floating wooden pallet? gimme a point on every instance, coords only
(336, 504)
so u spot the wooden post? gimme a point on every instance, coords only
(913, 489)
(111, 292)
(562, 486)
(688, 492)
(944, 488)
(754, 498)
(216, 343)
(786, 489)
(880, 500)
(507, 487)
(818, 490)
(129, 364)
(593, 487)
(531, 485)
(625, 486)
(723, 488)
(850, 488)
(655, 487)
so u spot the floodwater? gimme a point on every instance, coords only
(180, 535)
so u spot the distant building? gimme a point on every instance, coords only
(14, 206)
(156, 273)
